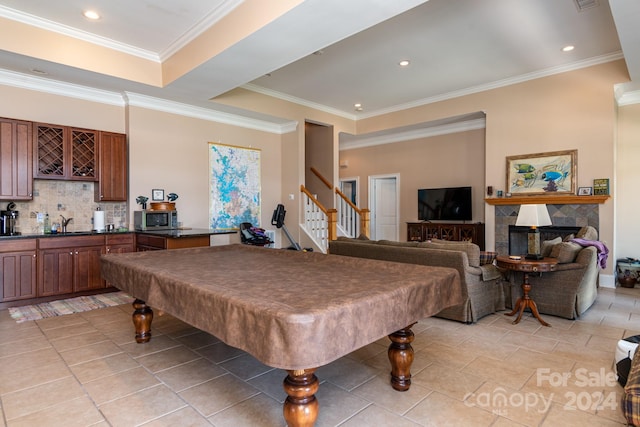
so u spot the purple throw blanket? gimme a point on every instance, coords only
(603, 251)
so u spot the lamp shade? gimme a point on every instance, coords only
(533, 216)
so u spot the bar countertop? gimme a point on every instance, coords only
(174, 233)
(185, 232)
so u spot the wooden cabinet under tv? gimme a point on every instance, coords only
(421, 231)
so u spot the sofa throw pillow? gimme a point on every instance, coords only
(547, 245)
(588, 233)
(566, 252)
(472, 250)
(487, 257)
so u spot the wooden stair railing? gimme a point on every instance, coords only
(324, 180)
(319, 221)
(352, 221)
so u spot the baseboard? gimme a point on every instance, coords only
(607, 281)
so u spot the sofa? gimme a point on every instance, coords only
(483, 290)
(569, 290)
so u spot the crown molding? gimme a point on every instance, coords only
(445, 96)
(204, 24)
(275, 94)
(370, 141)
(39, 84)
(65, 30)
(628, 98)
(158, 104)
(498, 84)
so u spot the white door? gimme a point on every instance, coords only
(384, 204)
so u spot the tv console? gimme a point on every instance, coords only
(422, 231)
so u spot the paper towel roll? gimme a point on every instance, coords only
(98, 220)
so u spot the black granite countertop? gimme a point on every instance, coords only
(187, 232)
(67, 234)
(175, 233)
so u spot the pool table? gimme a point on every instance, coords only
(289, 309)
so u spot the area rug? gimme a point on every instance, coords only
(68, 306)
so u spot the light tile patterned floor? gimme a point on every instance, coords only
(85, 370)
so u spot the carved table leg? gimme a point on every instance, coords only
(142, 317)
(401, 357)
(301, 405)
(525, 301)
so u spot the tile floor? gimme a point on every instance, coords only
(86, 370)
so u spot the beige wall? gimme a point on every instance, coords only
(170, 152)
(43, 107)
(572, 110)
(454, 160)
(166, 151)
(318, 143)
(626, 182)
(293, 153)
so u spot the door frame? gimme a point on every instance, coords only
(357, 180)
(372, 187)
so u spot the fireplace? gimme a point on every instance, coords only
(574, 216)
(518, 236)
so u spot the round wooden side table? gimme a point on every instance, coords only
(526, 266)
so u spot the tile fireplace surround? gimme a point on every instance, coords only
(569, 215)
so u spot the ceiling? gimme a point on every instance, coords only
(329, 54)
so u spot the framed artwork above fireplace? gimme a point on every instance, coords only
(542, 173)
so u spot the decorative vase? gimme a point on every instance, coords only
(626, 281)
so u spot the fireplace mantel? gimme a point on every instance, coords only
(557, 199)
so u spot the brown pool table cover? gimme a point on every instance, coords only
(289, 309)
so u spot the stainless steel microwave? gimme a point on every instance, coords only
(155, 220)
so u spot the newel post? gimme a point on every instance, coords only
(332, 219)
(364, 222)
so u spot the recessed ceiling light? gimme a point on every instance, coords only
(568, 48)
(91, 14)
(403, 63)
(358, 106)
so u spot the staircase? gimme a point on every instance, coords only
(325, 224)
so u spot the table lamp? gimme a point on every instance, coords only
(533, 216)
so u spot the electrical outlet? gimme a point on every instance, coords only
(292, 196)
(39, 217)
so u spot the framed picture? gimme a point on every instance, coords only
(542, 173)
(584, 191)
(601, 186)
(157, 195)
(234, 186)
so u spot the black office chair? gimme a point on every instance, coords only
(250, 235)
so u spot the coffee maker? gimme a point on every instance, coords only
(8, 220)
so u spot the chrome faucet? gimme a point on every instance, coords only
(65, 221)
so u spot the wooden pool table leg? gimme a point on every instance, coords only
(301, 406)
(142, 317)
(401, 357)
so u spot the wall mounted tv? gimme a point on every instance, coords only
(444, 204)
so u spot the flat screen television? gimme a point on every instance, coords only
(444, 204)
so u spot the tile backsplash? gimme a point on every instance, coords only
(70, 199)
